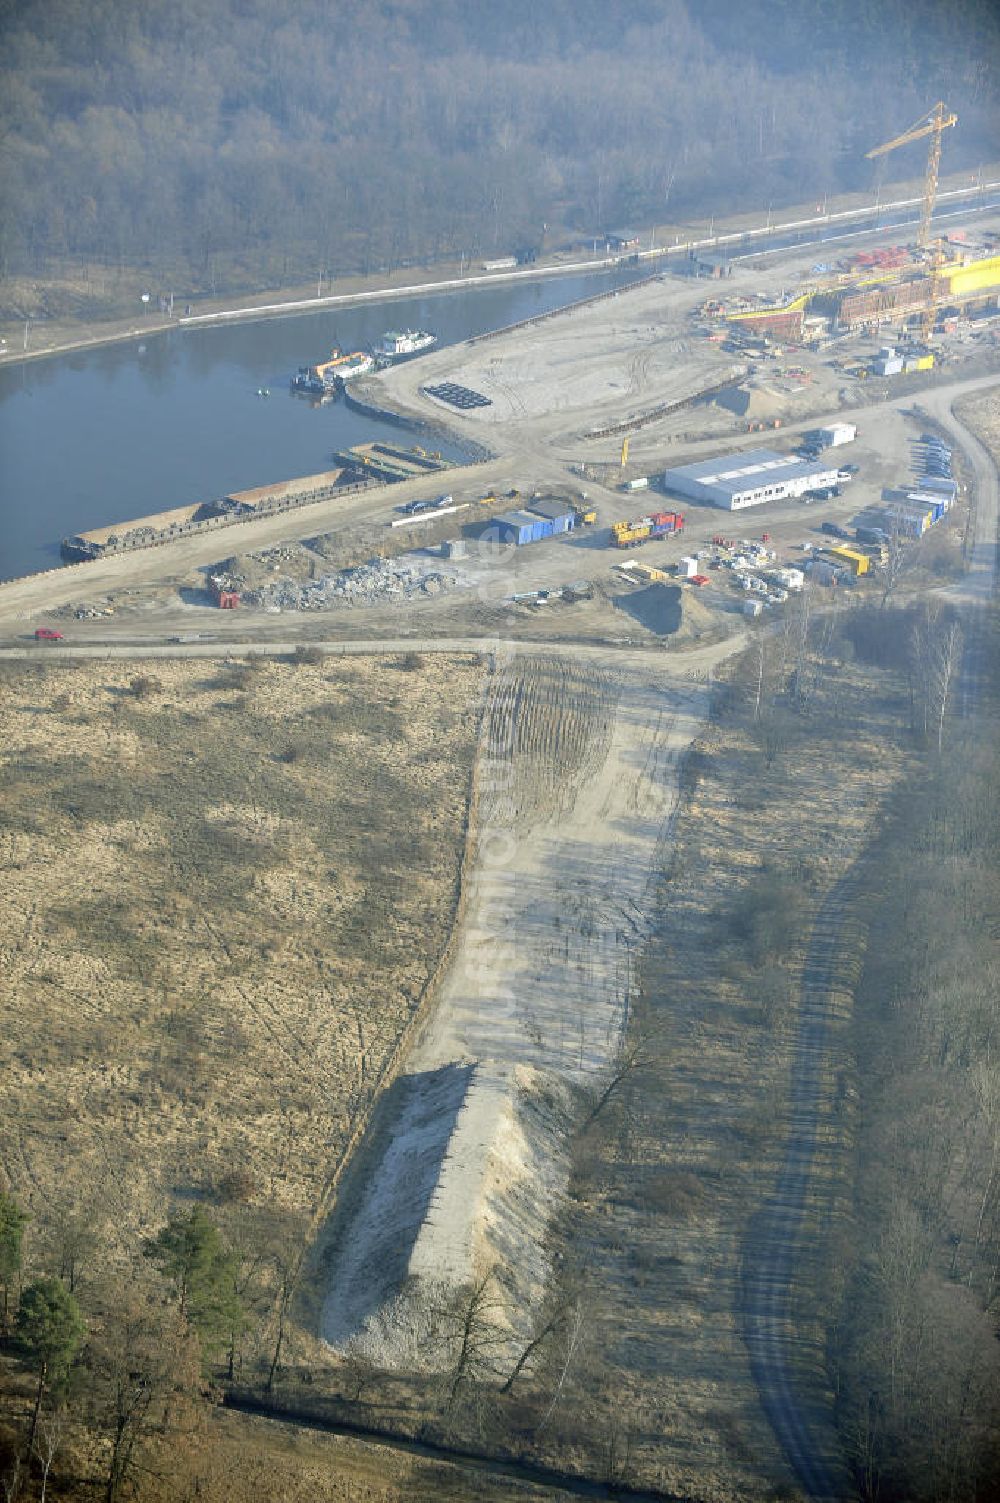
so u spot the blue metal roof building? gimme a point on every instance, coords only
(521, 527)
(538, 520)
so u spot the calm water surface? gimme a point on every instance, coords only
(114, 433)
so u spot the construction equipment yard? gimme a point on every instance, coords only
(469, 788)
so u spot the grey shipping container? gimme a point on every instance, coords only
(905, 522)
(937, 504)
(943, 484)
(871, 535)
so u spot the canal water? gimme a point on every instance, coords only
(99, 437)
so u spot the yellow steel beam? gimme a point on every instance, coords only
(934, 120)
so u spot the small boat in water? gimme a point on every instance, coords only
(317, 380)
(325, 379)
(398, 344)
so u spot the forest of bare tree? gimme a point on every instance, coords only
(228, 139)
(914, 1351)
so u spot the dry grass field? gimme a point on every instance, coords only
(226, 887)
(982, 415)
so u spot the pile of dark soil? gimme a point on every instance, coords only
(657, 607)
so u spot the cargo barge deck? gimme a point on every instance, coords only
(204, 516)
(358, 469)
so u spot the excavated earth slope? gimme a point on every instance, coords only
(577, 785)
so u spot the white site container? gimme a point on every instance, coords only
(688, 567)
(838, 433)
(792, 579)
(640, 483)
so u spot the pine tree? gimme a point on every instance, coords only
(190, 1253)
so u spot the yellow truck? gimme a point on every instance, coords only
(659, 524)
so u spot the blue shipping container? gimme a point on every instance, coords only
(513, 527)
(562, 518)
(520, 528)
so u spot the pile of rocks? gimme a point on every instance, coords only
(373, 583)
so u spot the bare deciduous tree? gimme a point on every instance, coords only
(146, 1366)
(897, 557)
(945, 663)
(49, 1437)
(471, 1326)
(637, 1050)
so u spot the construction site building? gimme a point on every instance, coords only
(883, 304)
(787, 323)
(534, 522)
(735, 481)
(562, 516)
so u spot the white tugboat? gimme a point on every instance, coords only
(398, 344)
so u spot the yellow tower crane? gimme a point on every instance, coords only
(936, 120)
(932, 124)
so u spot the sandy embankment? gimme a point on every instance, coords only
(578, 786)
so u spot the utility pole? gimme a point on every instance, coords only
(27, 326)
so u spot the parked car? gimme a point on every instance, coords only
(413, 508)
(46, 634)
